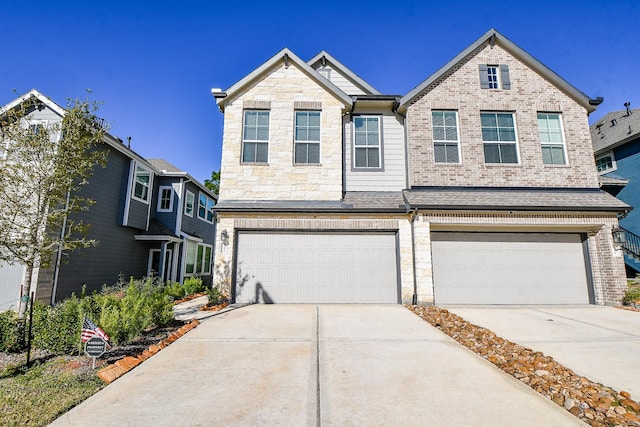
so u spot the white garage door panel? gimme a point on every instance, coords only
(317, 268)
(509, 268)
(10, 281)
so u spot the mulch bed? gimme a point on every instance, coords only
(591, 402)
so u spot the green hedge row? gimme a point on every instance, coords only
(123, 311)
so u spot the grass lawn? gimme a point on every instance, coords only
(38, 395)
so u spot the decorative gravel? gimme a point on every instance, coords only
(593, 403)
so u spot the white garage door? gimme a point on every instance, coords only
(316, 268)
(508, 268)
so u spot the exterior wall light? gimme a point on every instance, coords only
(619, 236)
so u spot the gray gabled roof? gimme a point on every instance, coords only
(493, 36)
(164, 166)
(287, 56)
(353, 77)
(516, 199)
(605, 135)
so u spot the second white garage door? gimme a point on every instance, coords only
(316, 268)
(508, 268)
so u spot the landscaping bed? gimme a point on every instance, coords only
(592, 402)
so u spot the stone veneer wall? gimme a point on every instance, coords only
(529, 94)
(224, 253)
(282, 90)
(607, 263)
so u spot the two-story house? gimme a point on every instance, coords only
(477, 187)
(148, 218)
(616, 146)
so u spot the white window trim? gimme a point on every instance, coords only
(161, 189)
(206, 267)
(188, 195)
(614, 165)
(206, 208)
(563, 143)
(447, 142)
(133, 183)
(295, 141)
(516, 142)
(166, 267)
(353, 133)
(257, 141)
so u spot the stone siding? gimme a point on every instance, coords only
(283, 88)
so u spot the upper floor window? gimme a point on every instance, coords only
(205, 208)
(499, 138)
(255, 136)
(445, 136)
(494, 76)
(141, 184)
(188, 203)
(165, 199)
(307, 137)
(550, 129)
(606, 163)
(367, 142)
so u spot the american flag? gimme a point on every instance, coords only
(90, 329)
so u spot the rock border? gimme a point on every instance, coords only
(117, 369)
(591, 402)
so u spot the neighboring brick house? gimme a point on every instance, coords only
(616, 146)
(477, 187)
(148, 218)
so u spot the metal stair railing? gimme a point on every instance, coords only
(631, 244)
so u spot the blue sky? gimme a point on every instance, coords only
(153, 63)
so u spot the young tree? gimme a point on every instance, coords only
(213, 184)
(42, 170)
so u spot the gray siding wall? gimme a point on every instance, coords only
(138, 213)
(167, 218)
(393, 175)
(117, 252)
(195, 226)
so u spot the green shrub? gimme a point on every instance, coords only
(193, 285)
(174, 290)
(13, 336)
(632, 295)
(143, 305)
(57, 329)
(215, 295)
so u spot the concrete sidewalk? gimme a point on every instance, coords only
(296, 365)
(601, 343)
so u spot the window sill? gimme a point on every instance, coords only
(304, 165)
(254, 164)
(553, 166)
(503, 165)
(146, 202)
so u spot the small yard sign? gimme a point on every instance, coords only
(95, 347)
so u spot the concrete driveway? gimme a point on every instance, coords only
(297, 365)
(601, 343)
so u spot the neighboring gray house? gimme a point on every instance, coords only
(477, 187)
(616, 146)
(148, 218)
